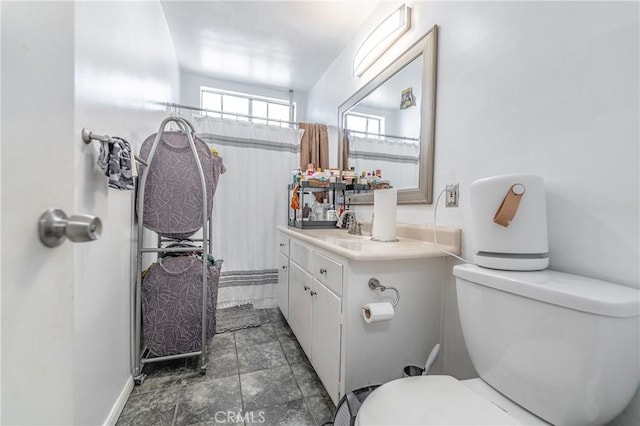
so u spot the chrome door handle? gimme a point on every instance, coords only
(323, 271)
(306, 287)
(55, 227)
(313, 293)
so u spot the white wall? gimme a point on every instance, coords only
(528, 87)
(118, 71)
(190, 91)
(545, 88)
(66, 311)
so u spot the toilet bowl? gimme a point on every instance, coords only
(548, 346)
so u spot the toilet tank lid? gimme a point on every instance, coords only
(558, 288)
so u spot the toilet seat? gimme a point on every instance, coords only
(429, 400)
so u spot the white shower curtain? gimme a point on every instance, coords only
(398, 159)
(250, 201)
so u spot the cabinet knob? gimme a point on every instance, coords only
(306, 287)
(284, 266)
(323, 271)
(282, 244)
(313, 293)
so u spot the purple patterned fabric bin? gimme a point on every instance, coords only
(173, 191)
(172, 305)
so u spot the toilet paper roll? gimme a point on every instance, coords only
(385, 203)
(374, 312)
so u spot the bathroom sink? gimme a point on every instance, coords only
(342, 238)
(354, 244)
(332, 236)
(362, 247)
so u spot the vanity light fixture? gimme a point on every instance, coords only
(382, 38)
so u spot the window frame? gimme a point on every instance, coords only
(251, 98)
(368, 117)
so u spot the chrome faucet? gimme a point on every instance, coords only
(351, 222)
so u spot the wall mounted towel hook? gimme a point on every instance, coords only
(374, 284)
(88, 137)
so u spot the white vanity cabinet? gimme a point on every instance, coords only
(327, 288)
(315, 311)
(283, 275)
(300, 283)
(326, 327)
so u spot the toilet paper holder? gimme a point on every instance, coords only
(54, 227)
(374, 284)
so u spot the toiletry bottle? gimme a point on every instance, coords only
(316, 214)
(305, 211)
(332, 214)
(325, 209)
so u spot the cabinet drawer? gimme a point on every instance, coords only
(301, 255)
(328, 272)
(283, 245)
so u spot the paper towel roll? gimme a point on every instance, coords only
(374, 312)
(385, 203)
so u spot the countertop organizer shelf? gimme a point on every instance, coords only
(335, 195)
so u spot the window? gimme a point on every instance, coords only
(372, 125)
(246, 107)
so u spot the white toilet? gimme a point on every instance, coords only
(548, 346)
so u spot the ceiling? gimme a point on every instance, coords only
(280, 44)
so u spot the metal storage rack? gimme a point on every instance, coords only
(335, 190)
(141, 353)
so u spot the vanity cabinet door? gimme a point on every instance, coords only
(283, 284)
(300, 305)
(326, 328)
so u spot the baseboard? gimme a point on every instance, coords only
(113, 416)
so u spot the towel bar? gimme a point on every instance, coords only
(88, 136)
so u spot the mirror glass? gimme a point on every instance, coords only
(384, 128)
(388, 125)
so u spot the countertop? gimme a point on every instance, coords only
(361, 247)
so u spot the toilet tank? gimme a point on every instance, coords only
(563, 347)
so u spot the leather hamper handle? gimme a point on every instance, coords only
(509, 206)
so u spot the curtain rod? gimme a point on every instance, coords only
(251, 117)
(384, 136)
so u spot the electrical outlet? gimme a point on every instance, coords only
(452, 195)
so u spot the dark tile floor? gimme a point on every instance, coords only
(255, 376)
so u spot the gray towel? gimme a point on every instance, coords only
(115, 162)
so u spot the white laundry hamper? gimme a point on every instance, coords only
(509, 222)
